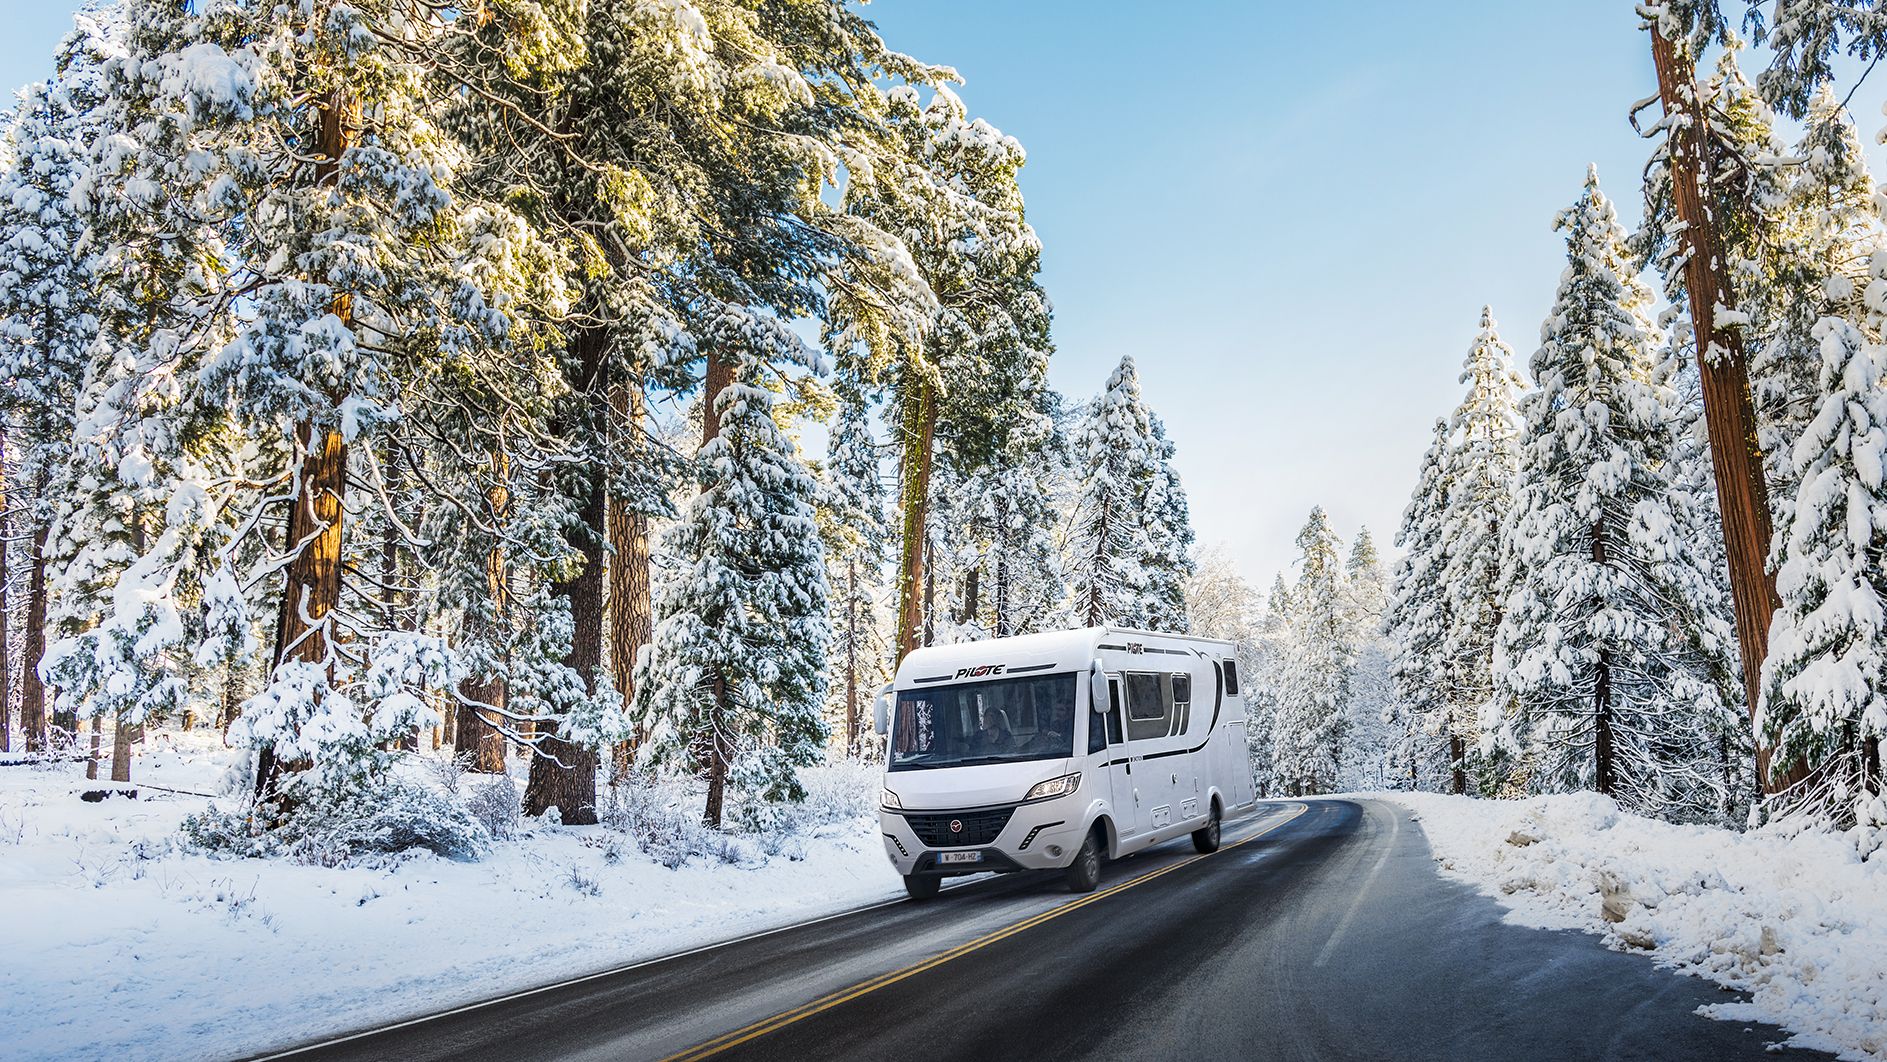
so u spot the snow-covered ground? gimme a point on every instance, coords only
(120, 942)
(1796, 920)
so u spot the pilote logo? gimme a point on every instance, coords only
(979, 672)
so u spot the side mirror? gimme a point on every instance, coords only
(1097, 688)
(881, 712)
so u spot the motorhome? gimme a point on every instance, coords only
(1059, 751)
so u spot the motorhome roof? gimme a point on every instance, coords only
(1052, 650)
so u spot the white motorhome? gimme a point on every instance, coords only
(1057, 751)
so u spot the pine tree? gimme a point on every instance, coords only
(1414, 617)
(1610, 671)
(48, 312)
(1119, 461)
(1482, 465)
(735, 676)
(1169, 540)
(1374, 757)
(1825, 682)
(1313, 686)
(854, 522)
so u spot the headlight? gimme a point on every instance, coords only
(891, 800)
(1055, 787)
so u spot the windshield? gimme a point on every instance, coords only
(1001, 721)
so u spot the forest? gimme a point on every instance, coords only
(619, 391)
(608, 390)
(1650, 565)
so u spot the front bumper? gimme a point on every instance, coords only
(1038, 836)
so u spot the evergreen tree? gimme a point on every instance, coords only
(1825, 682)
(1120, 459)
(1483, 462)
(1313, 684)
(49, 311)
(1169, 540)
(1414, 617)
(856, 531)
(735, 676)
(1611, 672)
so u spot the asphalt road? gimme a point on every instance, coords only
(1320, 931)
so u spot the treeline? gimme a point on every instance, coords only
(1592, 595)
(376, 369)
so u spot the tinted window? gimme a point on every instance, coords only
(1113, 712)
(1097, 733)
(1143, 698)
(1182, 689)
(1231, 676)
(1149, 706)
(984, 722)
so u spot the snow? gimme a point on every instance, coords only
(104, 904)
(1795, 919)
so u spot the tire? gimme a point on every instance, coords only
(1206, 838)
(1085, 872)
(922, 886)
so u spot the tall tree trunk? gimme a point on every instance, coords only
(6, 670)
(930, 593)
(121, 735)
(311, 588)
(563, 775)
(1004, 626)
(91, 760)
(971, 594)
(631, 613)
(1602, 738)
(1729, 414)
(1457, 763)
(717, 757)
(32, 690)
(851, 656)
(474, 736)
(918, 434)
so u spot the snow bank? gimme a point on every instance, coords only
(1798, 922)
(123, 943)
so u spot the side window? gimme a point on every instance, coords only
(1097, 733)
(1149, 709)
(1231, 678)
(1113, 712)
(1181, 685)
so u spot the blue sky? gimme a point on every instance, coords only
(1288, 214)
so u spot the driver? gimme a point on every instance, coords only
(991, 735)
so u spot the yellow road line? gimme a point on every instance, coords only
(843, 995)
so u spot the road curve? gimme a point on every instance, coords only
(1320, 931)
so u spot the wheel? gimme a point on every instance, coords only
(1206, 838)
(1085, 872)
(922, 886)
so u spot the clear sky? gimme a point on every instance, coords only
(1290, 215)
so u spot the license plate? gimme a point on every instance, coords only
(959, 857)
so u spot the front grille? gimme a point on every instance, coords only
(976, 827)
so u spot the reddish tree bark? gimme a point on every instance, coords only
(32, 691)
(919, 436)
(1729, 414)
(631, 615)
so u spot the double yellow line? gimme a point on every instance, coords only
(827, 1002)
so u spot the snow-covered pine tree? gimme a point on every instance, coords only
(1414, 616)
(854, 519)
(1271, 649)
(1169, 540)
(1375, 758)
(1805, 36)
(1310, 728)
(1825, 682)
(1817, 267)
(735, 676)
(1118, 459)
(48, 314)
(1482, 464)
(971, 314)
(1025, 482)
(1609, 670)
